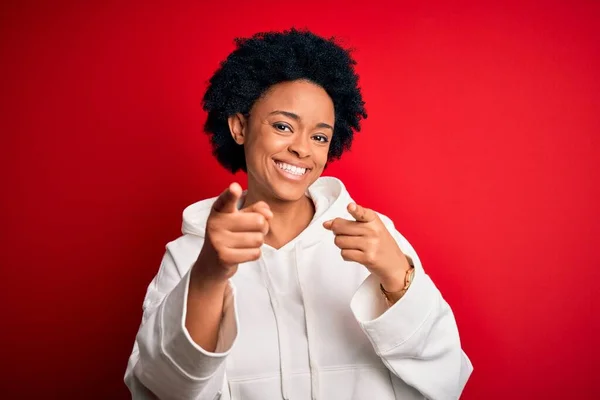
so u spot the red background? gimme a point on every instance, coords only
(482, 143)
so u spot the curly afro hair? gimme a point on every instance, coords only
(268, 58)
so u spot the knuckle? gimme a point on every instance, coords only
(335, 225)
(223, 258)
(211, 224)
(258, 240)
(216, 242)
(370, 257)
(255, 254)
(345, 255)
(337, 240)
(260, 220)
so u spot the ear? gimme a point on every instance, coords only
(237, 127)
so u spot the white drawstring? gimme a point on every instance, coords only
(314, 375)
(280, 329)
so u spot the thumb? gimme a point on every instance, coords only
(227, 201)
(361, 214)
(262, 208)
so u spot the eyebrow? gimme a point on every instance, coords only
(297, 118)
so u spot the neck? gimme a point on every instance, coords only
(290, 218)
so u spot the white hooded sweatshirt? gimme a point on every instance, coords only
(300, 323)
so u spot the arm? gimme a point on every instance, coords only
(166, 362)
(205, 309)
(189, 323)
(417, 338)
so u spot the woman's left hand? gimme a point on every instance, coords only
(368, 242)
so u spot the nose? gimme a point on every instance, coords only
(300, 146)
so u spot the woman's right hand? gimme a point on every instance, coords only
(232, 236)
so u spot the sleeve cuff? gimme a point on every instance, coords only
(176, 342)
(388, 328)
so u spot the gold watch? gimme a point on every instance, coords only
(398, 295)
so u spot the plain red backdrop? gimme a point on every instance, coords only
(482, 143)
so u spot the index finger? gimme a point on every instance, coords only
(341, 226)
(227, 201)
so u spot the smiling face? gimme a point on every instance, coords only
(286, 139)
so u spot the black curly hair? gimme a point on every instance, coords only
(268, 58)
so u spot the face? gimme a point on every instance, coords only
(286, 139)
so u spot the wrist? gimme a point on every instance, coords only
(395, 280)
(205, 279)
(392, 289)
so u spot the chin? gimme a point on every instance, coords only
(289, 191)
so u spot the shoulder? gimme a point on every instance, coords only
(183, 251)
(195, 216)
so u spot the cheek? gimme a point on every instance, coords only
(254, 147)
(261, 147)
(265, 143)
(321, 156)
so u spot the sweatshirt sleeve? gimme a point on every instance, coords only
(417, 338)
(165, 362)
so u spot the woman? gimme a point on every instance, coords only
(290, 289)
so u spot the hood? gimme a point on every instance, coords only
(328, 194)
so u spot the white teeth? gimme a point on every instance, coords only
(291, 169)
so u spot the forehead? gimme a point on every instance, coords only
(306, 99)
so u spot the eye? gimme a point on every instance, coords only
(282, 127)
(321, 138)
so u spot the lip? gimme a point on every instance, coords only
(289, 176)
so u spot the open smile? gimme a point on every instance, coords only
(291, 171)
